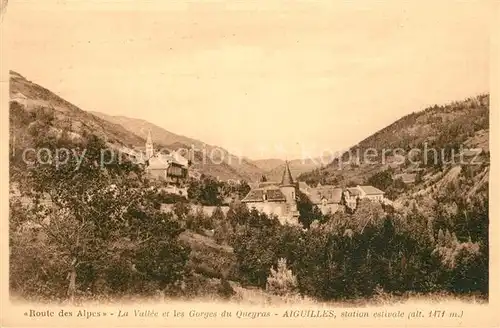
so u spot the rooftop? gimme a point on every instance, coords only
(332, 194)
(303, 185)
(371, 190)
(271, 194)
(354, 191)
(267, 184)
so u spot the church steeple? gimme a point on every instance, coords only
(287, 179)
(149, 146)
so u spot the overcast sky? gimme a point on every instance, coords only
(266, 79)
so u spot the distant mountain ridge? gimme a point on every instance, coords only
(223, 164)
(297, 167)
(268, 164)
(141, 127)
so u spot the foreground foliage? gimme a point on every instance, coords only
(375, 249)
(84, 228)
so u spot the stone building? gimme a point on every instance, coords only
(280, 199)
(273, 198)
(327, 198)
(370, 192)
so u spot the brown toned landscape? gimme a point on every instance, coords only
(251, 153)
(428, 237)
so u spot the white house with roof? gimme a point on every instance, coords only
(407, 178)
(353, 194)
(370, 193)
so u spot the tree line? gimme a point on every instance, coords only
(356, 255)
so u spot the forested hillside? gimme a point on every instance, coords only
(420, 142)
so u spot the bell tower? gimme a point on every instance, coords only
(149, 146)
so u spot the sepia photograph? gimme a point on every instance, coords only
(314, 154)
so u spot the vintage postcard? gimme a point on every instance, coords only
(249, 163)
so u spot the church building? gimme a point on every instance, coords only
(171, 168)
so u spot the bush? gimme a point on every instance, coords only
(170, 198)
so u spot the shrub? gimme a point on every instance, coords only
(282, 281)
(225, 290)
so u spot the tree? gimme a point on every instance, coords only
(255, 246)
(217, 215)
(367, 212)
(223, 232)
(282, 281)
(224, 289)
(307, 210)
(206, 191)
(237, 214)
(381, 180)
(98, 217)
(243, 189)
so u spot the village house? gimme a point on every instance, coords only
(327, 198)
(351, 196)
(362, 192)
(171, 168)
(370, 193)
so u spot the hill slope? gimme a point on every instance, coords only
(28, 98)
(30, 102)
(268, 164)
(447, 129)
(232, 167)
(455, 138)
